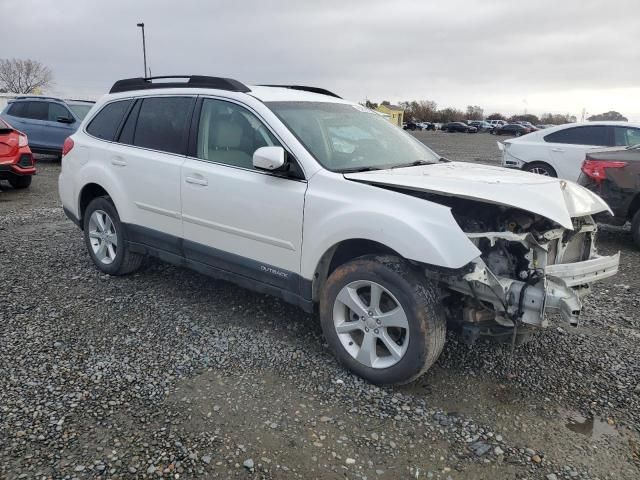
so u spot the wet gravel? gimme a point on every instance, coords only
(167, 373)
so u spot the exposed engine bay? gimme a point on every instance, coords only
(528, 265)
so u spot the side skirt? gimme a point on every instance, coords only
(211, 262)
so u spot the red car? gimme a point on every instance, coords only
(16, 160)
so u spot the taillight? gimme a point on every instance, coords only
(23, 141)
(67, 146)
(596, 169)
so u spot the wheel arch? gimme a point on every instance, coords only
(634, 206)
(87, 194)
(341, 253)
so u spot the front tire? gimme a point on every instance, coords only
(540, 168)
(106, 240)
(382, 319)
(20, 182)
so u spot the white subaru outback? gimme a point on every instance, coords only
(294, 192)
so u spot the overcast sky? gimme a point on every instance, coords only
(543, 56)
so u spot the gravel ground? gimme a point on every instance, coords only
(167, 373)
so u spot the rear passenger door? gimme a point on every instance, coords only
(236, 218)
(146, 161)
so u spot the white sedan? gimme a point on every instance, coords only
(559, 151)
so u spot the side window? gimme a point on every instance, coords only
(56, 110)
(36, 110)
(105, 124)
(229, 134)
(596, 135)
(626, 136)
(129, 127)
(163, 123)
(17, 109)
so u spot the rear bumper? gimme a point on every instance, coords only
(12, 169)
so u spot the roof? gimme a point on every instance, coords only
(391, 107)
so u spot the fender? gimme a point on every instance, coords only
(94, 172)
(337, 209)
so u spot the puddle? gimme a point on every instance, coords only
(592, 427)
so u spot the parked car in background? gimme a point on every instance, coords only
(514, 129)
(327, 205)
(496, 123)
(542, 126)
(614, 174)
(529, 125)
(559, 151)
(411, 126)
(458, 127)
(17, 164)
(427, 125)
(481, 125)
(47, 121)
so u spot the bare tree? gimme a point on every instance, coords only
(24, 76)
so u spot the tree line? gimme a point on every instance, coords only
(428, 111)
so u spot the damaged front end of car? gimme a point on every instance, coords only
(529, 266)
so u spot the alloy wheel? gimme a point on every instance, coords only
(540, 171)
(371, 324)
(103, 237)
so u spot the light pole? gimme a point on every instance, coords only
(144, 49)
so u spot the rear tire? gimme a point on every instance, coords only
(635, 228)
(407, 318)
(19, 182)
(106, 239)
(540, 168)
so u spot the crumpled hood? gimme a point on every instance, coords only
(555, 199)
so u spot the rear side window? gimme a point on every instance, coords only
(105, 124)
(163, 123)
(36, 110)
(626, 136)
(596, 135)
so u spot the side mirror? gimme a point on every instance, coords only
(65, 120)
(269, 158)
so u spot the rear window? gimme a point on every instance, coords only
(163, 123)
(597, 135)
(105, 124)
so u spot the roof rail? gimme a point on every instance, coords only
(321, 91)
(37, 97)
(194, 81)
(78, 100)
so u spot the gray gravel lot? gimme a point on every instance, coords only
(167, 373)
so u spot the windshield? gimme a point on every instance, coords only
(80, 111)
(345, 137)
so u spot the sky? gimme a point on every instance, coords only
(559, 56)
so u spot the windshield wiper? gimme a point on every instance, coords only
(359, 169)
(634, 147)
(415, 163)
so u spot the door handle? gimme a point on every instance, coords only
(560, 150)
(197, 181)
(118, 162)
